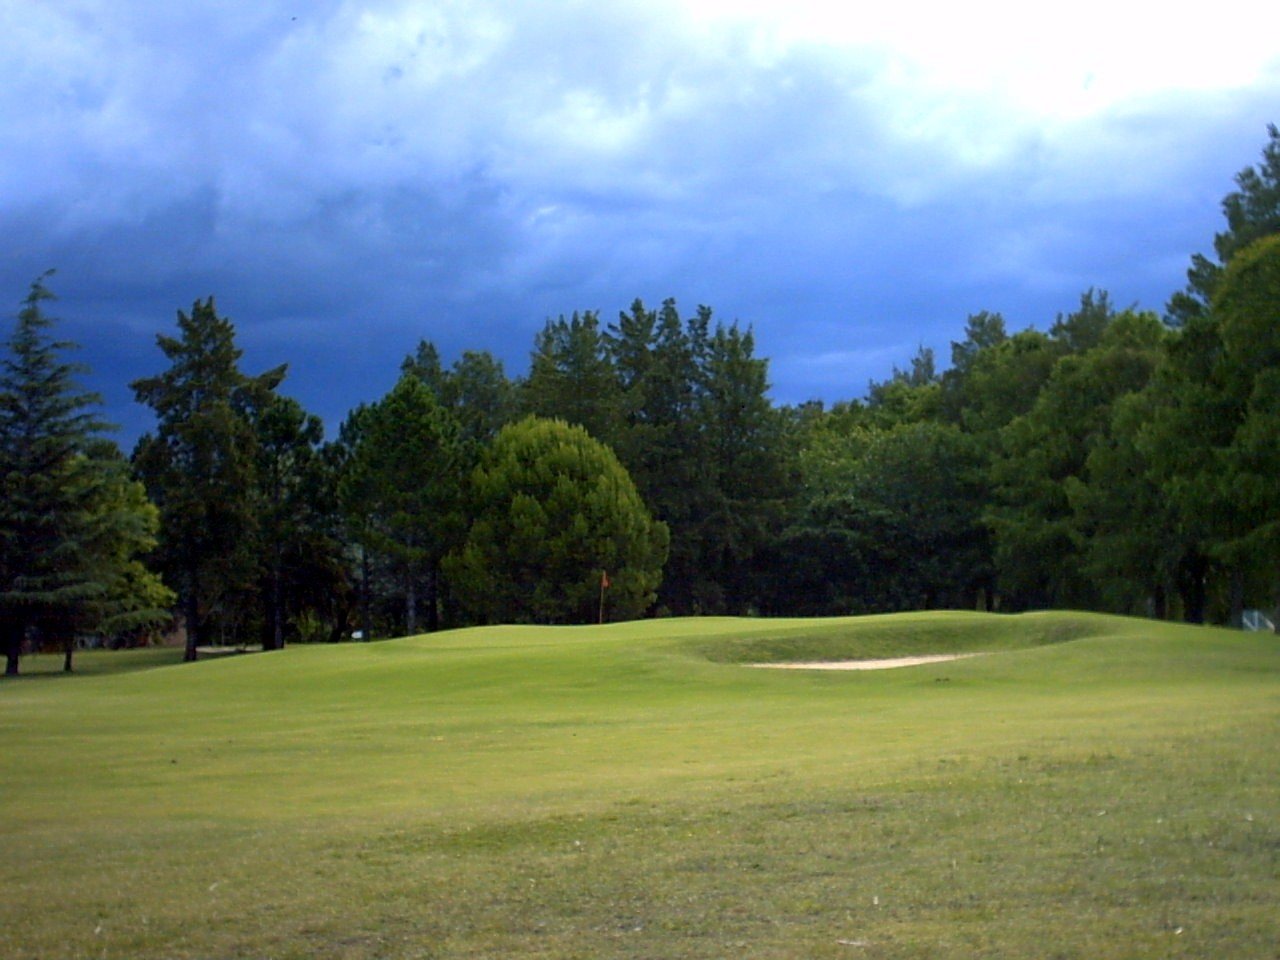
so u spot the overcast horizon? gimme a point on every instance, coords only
(346, 178)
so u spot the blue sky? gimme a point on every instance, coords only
(349, 177)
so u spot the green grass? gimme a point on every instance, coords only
(1094, 787)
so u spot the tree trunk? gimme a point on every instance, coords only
(411, 608)
(433, 597)
(192, 612)
(366, 620)
(1160, 602)
(1237, 598)
(12, 638)
(1191, 587)
(68, 648)
(277, 605)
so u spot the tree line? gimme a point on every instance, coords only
(1116, 461)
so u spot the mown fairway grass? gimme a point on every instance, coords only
(1095, 787)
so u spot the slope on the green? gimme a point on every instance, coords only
(1097, 787)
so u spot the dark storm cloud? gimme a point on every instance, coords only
(349, 177)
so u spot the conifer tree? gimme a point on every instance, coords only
(71, 521)
(751, 476)
(303, 569)
(571, 377)
(559, 533)
(661, 442)
(1252, 212)
(200, 467)
(402, 485)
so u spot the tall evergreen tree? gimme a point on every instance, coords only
(983, 331)
(1133, 548)
(1252, 212)
(1003, 381)
(303, 567)
(571, 377)
(748, 459)
(1084, 328)
(1246, 305)
(476, 390)
(404, 479)
(201, 468)
(71, 521)
(662, 443)
(908, 396)
(353, 497)
(424, 363)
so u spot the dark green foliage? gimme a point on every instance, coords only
(1084, 329)
(72, 523)
(982, 331)
(402, 486)
(752, 479)
(424, 364)
(662, 443)
(908, 395)
(1247, 306)
(1252, 212)
(1041, 537)
(889, 519)
(122, 528)
(685, 406)
(476, 390)
(571, 377)
(1130, 545)
(201, 469)
(304, 585)
(1210, 439)
(1003, 381)
(554, 512)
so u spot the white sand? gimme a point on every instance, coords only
(867, 664)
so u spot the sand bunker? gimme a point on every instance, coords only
(867, 664)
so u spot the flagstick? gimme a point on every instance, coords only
(602, 579)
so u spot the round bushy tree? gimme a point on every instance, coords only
(556, 516)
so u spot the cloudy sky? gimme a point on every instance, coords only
(349, 176)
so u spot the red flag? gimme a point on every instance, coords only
(604, 580)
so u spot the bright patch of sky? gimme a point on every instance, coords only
(1055, 61)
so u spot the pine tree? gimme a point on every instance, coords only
(1252, 212)
(571, 377)
(200, 467)
(403, 482)
(303, 568)
(71, 521)
(557, 525)
(476, 390)
(747, 458)
(661, 442)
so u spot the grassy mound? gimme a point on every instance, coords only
(1098, 787)
(902, 635)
